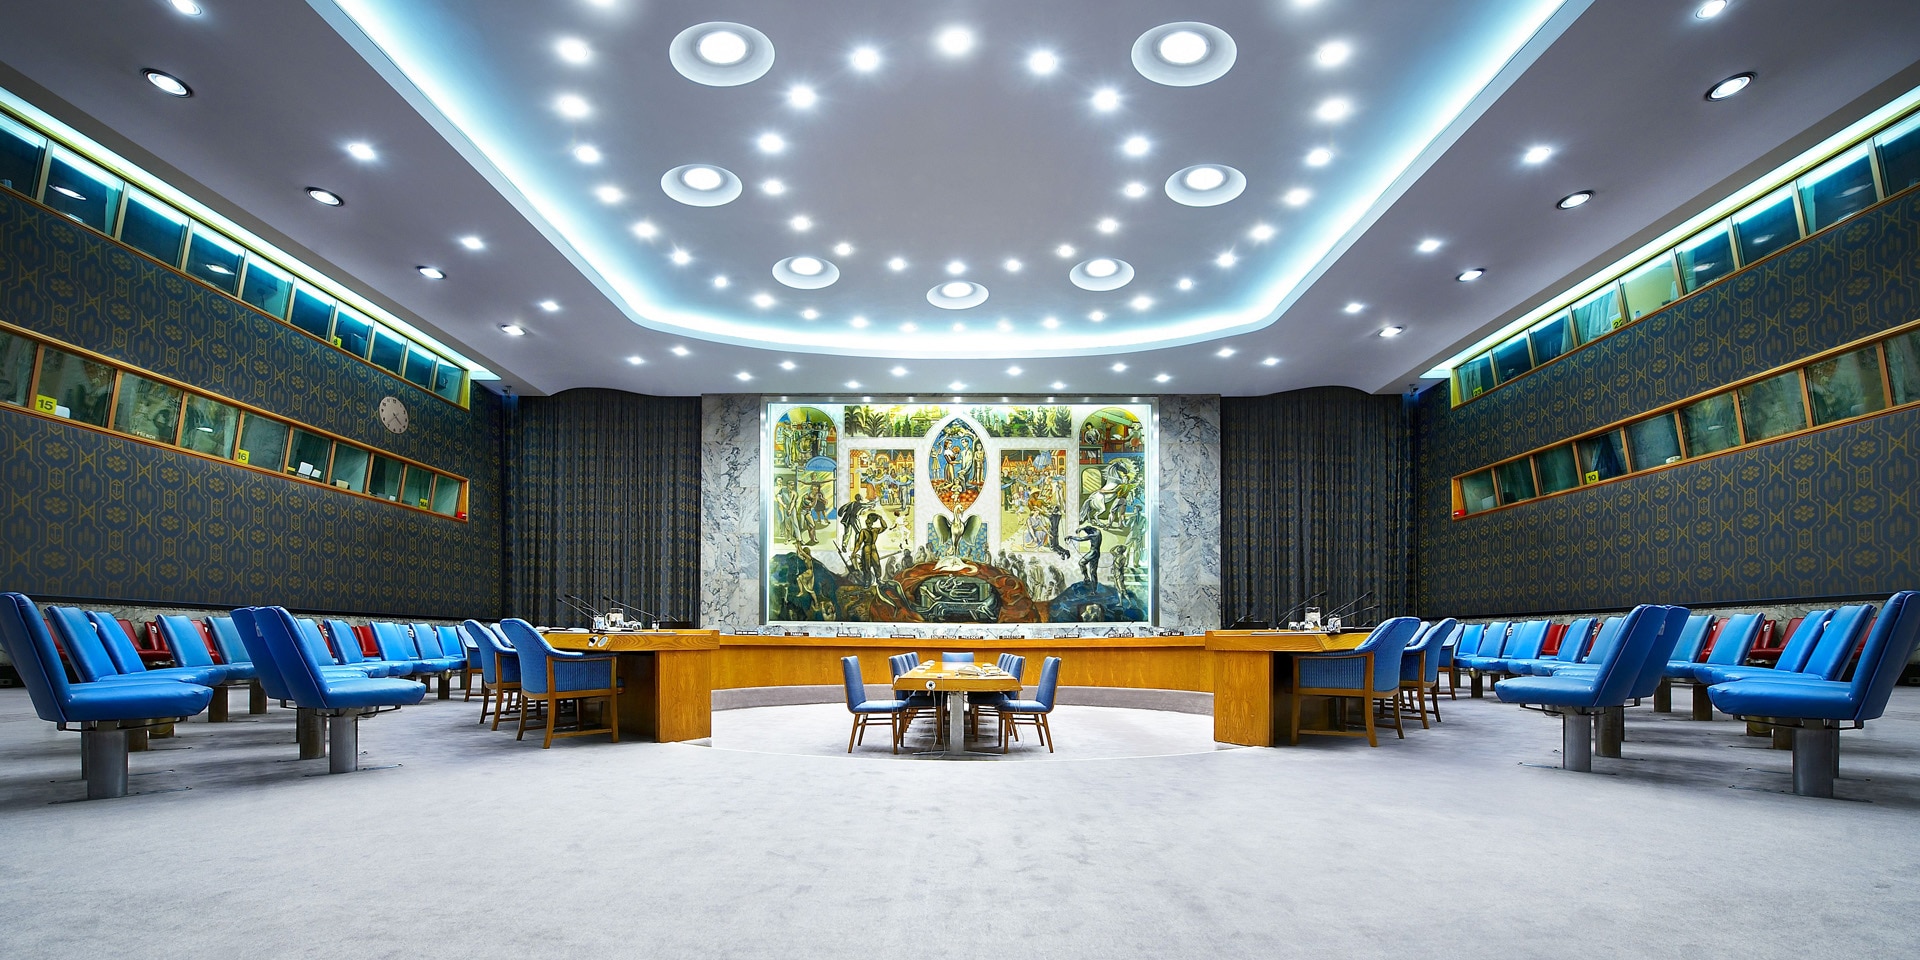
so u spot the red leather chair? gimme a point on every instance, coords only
(1555, 633)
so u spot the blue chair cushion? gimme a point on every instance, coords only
(879, 706)
(1026, 706)
(1554, 691)
(1342, 672)
(136, 700)
(1810, 699)
(1715, 673)
(371, 692)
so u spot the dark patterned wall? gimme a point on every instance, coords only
(138, 523)
(1314, 497)
(605, 501)
(1804, 518)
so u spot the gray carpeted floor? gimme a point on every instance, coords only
(1444, 844)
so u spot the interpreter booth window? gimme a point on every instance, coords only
(420, 367)
(418, 488)
(349, 468)
(1706, 258)
(1476, 492)
(153, 228)
(214, 258)
(1557, 469)
(1511, 359)
(16, 368)
(446, 381)
(446, 496)
(148, 408)
(384, 482)
(1899, 155)
(1838, 189)
(73, 387)
(20, 152)
(1710, 425)
(388, 350)
(82, 191)
(1772, 407)
(309, 455)
(1515, 480)
(1597, 315)
(312, 312)
(1551, 339)
(1476, 377)
(1601, 457)
(352, 332)
(267, 287)
(1653, 442)
(1903, 366)
(1650, 287)
(208, 426)
(1846, 386)
(1766, 226)
(263, 443)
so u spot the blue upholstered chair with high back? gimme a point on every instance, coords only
(454, 640)
(103, 711)
(551, 677)
(1369, 673)
(1420, 668)
(1823, 654)
(1573, 646)
(397, 651)
(182, 636)
(1730, 648)
(340, 695)
(1011, 664)
(499, 673)
(1466, 645)
(866, 711)
(1638, 646)
(951, 656)
(346, 648)
(441, 660)
(1818, 709)
(1034, 712)
(122, 658)
(917, 700)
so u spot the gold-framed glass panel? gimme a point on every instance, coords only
(208, 426)
(16, 368)
(263, 442)
(153, 227)
(74, 387)
(147, 408)
(1710, 425)
(81, 190)
(308, 455)
(1846, 386)
(1772, 407)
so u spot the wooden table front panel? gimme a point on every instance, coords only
(666, 679)
(1168, 663)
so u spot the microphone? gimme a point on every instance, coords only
(569, 599)
(652, 617)
(1350, 605)
(1251, 622)
(1296, 607)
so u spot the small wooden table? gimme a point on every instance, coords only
(1253, 682)
(666, 678)
(937, 677)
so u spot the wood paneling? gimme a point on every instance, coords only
(666, 679)
(1166, 663)
(1243, 697)
(1253, 682)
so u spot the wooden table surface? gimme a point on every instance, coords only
(934, 675)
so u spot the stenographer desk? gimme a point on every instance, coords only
(666, 678)
(1253, 683)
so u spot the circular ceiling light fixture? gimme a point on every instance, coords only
(701, 185)
(1043, 62)
(1710, 9)
(1184, 54)
(954, 41)
(1730, 86)
(721, 54)
(1206, 184)
(431, 273)
(1101, 274)
(864, 59)
(1572, 200)
(328, 197)
(1471, 274)
(167, 83)
(806, 273)
(957, 295)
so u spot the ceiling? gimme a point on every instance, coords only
(956, 160)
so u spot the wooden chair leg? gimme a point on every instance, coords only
(1399, 727)
(1372, 741)
(614, 709)
(1435, 691)
(1046, 732)
(852, 732)
(553, 716)
(1293, 729)
(522, 732)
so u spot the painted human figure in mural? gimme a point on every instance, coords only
(1090, 557)
(850, 519)
(866, 547)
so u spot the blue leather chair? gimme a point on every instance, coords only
(1573, 646)
(1614, 669)
(310, 726)
(1730, 648)
(916, 700)
(1523, 646)
(346, 650)
(1011, 664)
(103, 711)
(397, 650)
(182, 636)
(1604, 643)
(1687, 650)
(1036, 710)
(1493, 644)
(866, 711)
(1369, 673)
(454, 641)
(1420, 667)
(1466, 645)
(100, 653)
(226, 639)
(499, 673)
(1818, 709)
(1826, 658)
(956, 657)
(442, 660)
(549, 677)
(340, 696)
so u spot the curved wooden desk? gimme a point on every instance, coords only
(666, 678)
(1253, 682)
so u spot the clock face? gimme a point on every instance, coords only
(393, 414)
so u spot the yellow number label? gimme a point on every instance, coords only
(1593, 476)
(337, 343)
(242, 457)
(45, 404)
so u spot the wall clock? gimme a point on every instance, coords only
(393, 414)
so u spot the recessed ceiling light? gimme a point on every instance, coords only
(1119, 368)
(702, 178)
(1182, 48)
(1102, 267)
(801, 223)
(801, 97)
(1270, 362)
(1333, 53)
(1106, 99)
(1163, 378)
(636, 360)
(1013, 371)
(550, 306)
(1730, 86)
(168, 83)
(1708, 10)
(1043, 62)
(721, 48)
(1298, 196)
(473, 243)
(1471, 274)
(898, 371)
(866, 399)
(1319, 157)
(954, 41)
(513, 330)
(1261, 231)
(680, 351)
(1536, 154)
(1050, 322)
(786, 364)
(1141, 302)
(956, 385)
(806, 266)
(187, 7)
(843, 249)
(1186, 283)
(1572, 200)
(432, 273)
(720, 281)
(1225, 352)
(681, 257)
(608, 193)
(587, 153)
(956, 289)
(361, 151)
(1428, 245)
(896, 264)
(859, 322)
(1136, 146)
(743, 376)
(864, 59)
(1354, 307)
(770, 143)
(763, 300)
(1226, 259)
(1012, 265)
(1391, 332)
(327, 197)
(1204, 178)
(1334, 109)
(1056, 385)
(645, 230)
(573, 50)
(1004, 326)
(956, 268)
(572, 106)
(853, 384)
(1135, 190)
(1097, 316)
(1107, 225)
(773, 188)
(809, 314)
(1064, 250)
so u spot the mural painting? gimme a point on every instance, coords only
(1004, 513)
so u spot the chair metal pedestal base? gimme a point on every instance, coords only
(1610, 731)
(1576, 741)
(310, 731)
(256, 698)
(217, 707)
(343, 743)
(1816, 761)
(104, 757)
(1702, 704)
